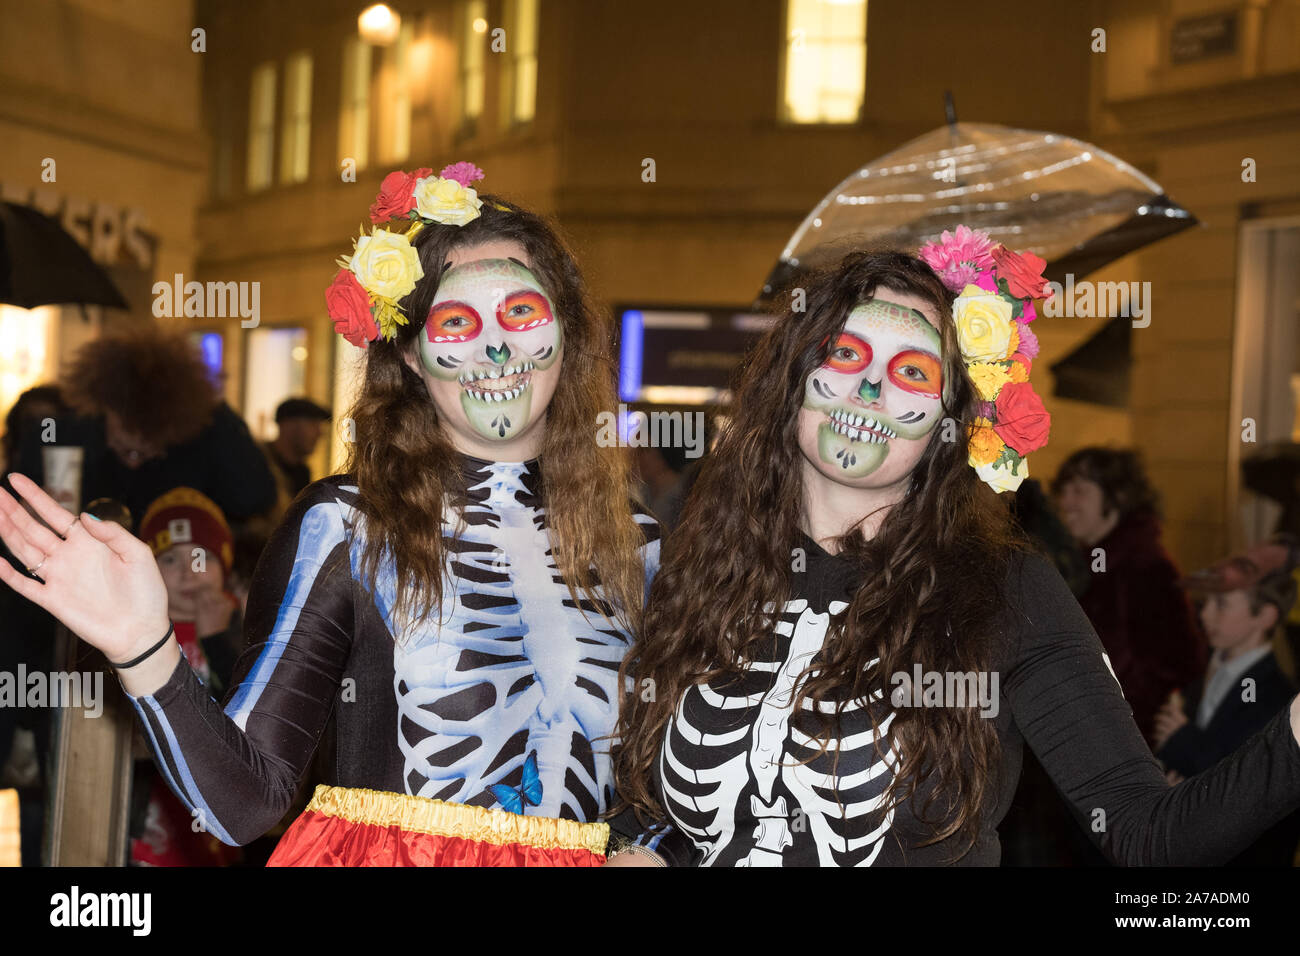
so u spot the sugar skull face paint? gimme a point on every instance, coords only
(870, 408)
(492, 345)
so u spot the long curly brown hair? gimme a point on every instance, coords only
(919, 601)
(151, 377)
(406, 468)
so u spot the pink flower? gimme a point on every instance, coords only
(463, 173)
(986, 282)
(348, 307)
(959, 257)
(1029, 313)
(1028, 340)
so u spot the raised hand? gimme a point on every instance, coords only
(96, 577)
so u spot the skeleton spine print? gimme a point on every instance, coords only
(501, 696)
(742, 774)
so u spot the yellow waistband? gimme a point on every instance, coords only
(422, 815)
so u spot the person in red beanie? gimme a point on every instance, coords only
(194, 549)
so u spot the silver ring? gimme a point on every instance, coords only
(65, 534)
(38, 567)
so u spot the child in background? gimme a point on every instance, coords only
(194, 549)
(1247, 598)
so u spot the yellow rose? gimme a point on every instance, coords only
(984, 325)
(446, 201)
(985, 445)
(1004, 478)
(988, 379)
(386, 264)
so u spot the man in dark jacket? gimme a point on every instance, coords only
(1247, 596)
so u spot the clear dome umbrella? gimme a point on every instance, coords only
(1061, 198)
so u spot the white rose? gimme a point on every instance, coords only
(1002, 478)
(446, 201)
(386, 264)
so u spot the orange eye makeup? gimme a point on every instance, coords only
(917, 371)
(524, 310)
(850, 355)
(453, 322)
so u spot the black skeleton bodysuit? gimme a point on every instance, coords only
(511, 674)
(736, 780)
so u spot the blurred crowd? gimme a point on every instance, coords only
(137, 432)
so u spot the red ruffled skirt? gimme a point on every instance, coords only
(350, 827)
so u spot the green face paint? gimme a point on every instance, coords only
(881, 384)
(491, 329)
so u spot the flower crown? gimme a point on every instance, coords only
(384, 267)
(995, 290)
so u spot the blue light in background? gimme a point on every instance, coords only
(629, 367)
(210, 345)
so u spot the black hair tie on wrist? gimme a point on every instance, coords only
(170, 628)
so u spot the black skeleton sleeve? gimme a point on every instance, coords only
(1068, 705)
(237, 768)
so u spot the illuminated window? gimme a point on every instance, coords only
(354, 116)
(28, 352)
(261, 126)
(825, 63)
(295, 135)
(276, 369)
(473, 39)
(395, 103)
(519, 77)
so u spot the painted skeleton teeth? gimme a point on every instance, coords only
(504, 395)
(475, 375)
(860, 428)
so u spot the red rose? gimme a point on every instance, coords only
(1022, 422)
(396, 195)
(349, 308)
(1023, 272)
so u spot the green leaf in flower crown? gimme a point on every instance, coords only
(1009, 458)
(1017, 304)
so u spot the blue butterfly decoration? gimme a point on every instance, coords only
(514, 799)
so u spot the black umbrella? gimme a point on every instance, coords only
(40, 264)
(1068, 201)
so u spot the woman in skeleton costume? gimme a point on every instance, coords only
(458, 602)
(848, 640)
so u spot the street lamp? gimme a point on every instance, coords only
(378, 24)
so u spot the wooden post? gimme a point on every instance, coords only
(89, 790)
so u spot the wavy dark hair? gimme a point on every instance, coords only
(1121, 475)
(406, 467)
(919, 601)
